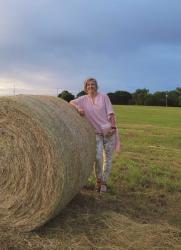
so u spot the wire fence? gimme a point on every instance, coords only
(17, 91)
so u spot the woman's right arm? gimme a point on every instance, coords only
(73, 103)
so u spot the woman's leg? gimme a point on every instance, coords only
(99, 156)
(108, 150)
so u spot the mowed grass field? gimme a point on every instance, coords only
(143, 207)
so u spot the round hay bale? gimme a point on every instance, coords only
(47, 152)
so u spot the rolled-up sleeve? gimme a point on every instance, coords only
(77, 102)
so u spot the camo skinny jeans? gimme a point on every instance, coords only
(104, 150)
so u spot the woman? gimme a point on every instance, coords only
(97, 108)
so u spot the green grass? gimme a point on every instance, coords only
(151, 146)
(156, 116)
(142, 209)
(146, 175)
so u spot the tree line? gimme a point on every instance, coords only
(139, 97)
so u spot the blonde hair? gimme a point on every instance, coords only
(93, 80)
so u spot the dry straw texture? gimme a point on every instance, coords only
(111, 231)
(46, 155)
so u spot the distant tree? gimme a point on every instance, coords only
(124, 97)
(173, 98)
(67, 96)
(160, 98)
(178, 90)
(150, 100)
(163, 98)
(81, 93)
(179, 101)
(139, 96)
(112, 97)
(120, 97)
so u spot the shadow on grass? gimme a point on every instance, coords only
(125, 218)
(88, 209)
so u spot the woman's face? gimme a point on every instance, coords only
(91, 88)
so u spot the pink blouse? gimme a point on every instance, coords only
(96, 112)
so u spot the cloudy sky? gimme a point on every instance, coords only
(56, 44)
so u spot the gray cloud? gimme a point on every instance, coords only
(125, 44)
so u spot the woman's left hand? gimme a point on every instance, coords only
(111, 132)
